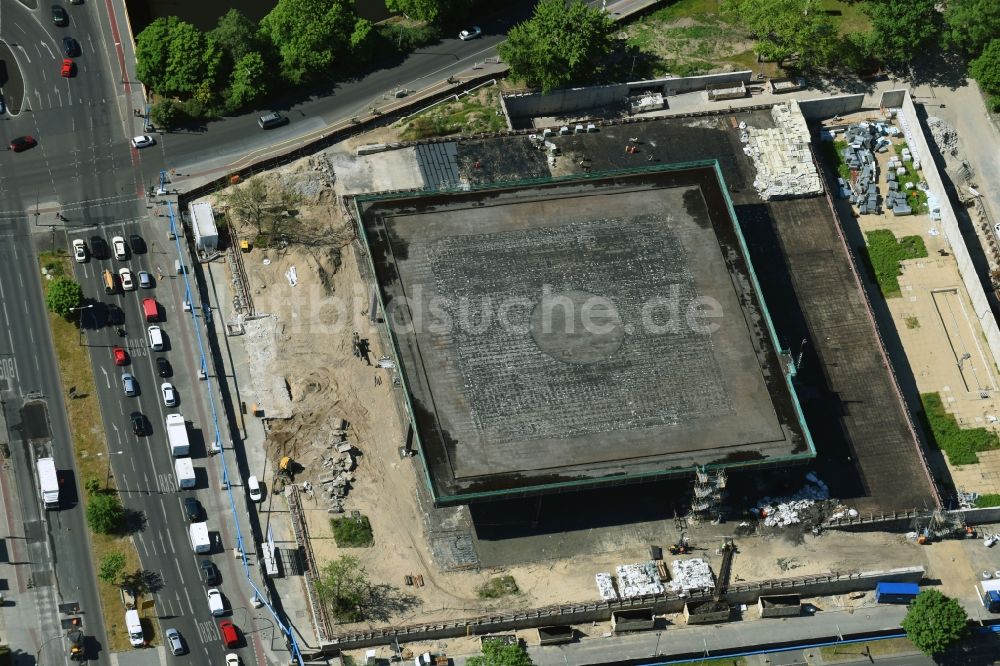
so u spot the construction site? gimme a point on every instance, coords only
(467, 359)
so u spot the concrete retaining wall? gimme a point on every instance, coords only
(746, 593)
(828, 107)
(949, 225)
(571, 100)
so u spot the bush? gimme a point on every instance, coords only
(497, 587)
(960, 445)
(885, 253)
(166, 114)
(351, 532)
(111, 567)
(63, 296)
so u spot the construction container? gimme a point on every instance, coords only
(896, 593)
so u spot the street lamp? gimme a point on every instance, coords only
(107, 480)
(38, 655)
(82, 307)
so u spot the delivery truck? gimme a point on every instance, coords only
(177, 435)
(200, 543)
(48, 482)
(184, 471)
(134, 628)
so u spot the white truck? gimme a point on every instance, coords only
(177, 435)
(48, 482)
(184, 471)
(200, 543)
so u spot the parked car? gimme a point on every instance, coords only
(192, 509)
(253, 485)
(215, 603)
(230, 637)
(163, 368)
(145, 280)
(209, 574)
(121, 356)
(125, 275)
(129, 385)
(79, 250)
(118, 245)
(471, 33)
(232, 659)
(169, 394)
(59, 16)
(142, 141)
(174, 640)
(22, 143)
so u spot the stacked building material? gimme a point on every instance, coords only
(692, 574)
(606, 587)
(781, 155)
(638, 580)
(782, 511)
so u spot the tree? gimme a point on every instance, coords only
(166, 114)
(63, 296)
(105, 513)
(783, 31)
(236, 35)
(933, 622)
(185, 59)
(971, 24)
(152, 49)
(248, 81)
(174, 57)
(343, 587)
(901, 29)
(431, 11)
(559, 45)
(308, 36)
(986, 70)
(111, 567)
(496, 653)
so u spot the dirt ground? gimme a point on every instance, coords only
(314, 324)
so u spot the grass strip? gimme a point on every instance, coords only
(862, 651)
(90, 452)
(960, 444)
(885, 254)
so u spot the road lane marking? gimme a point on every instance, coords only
(188, 597)
(106, 378)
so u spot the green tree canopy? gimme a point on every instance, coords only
(248, 81)
(986, 68)
(309, 35)
(783, 31)
(105, 513)
(236, 35)
(111, 567)
(901, 29)
(344, 588)
(559, 45)
(497, 654)
(971, 24)
(431, 11)
(166, 114)
(934, 622)
(174, 57)
(152, 50)
(63, 296)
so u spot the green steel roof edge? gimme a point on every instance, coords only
(602, 480)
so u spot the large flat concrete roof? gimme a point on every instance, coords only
(553, 334)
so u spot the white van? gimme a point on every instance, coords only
(155, 338)
(134, 627)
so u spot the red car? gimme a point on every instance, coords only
(230, 637)
(67, 68)
(121, 356)
(22, 143)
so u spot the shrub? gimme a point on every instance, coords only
(497, 587)
(105, 513)
(987, 500)
(352, 532)
(885, 253)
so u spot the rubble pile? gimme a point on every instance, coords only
(638, 580)
(606, 587)
(692, 574)
(944, 135)
(338, 463)
(782, 511)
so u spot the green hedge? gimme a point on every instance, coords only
(960, 445)
(885, 253)
(987, 500)
(349, 532)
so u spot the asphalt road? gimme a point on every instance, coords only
(56, 540)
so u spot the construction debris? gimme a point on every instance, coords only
(945, 136)
(606, 587)
(692, 574)
(783, 511)
(638, 580)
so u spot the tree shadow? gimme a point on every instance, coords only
(134, 522)
(386, 601)
(143, 581)
(942, 69)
